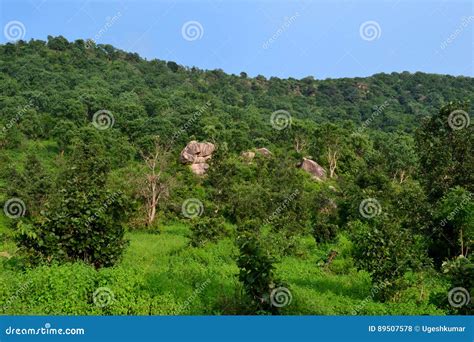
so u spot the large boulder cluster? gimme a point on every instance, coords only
(197, 154)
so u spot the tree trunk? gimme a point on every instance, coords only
(332, 159)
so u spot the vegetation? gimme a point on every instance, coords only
(102, 217)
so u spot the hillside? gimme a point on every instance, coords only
(145, 187)
(73, 82)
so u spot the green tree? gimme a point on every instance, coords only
(453, 234)
(85, 220)
(386, 250)
(445, 150)
(256, 269)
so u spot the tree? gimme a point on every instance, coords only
(333, 147)
(454, 233)
(256, 268)
(385, 250)
(64, 132)
(398, 152)
(155, 185)
(32, 184)
(84, 220)
(446, 150)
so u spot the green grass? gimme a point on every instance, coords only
(160, 274)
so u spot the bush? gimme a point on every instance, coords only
(325, 232)
(207, 229)
(454, 233)
(460, 273)
(256, 270)
(50, 290)
(385, 250)
(85, 220)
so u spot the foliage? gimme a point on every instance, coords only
(325, 232)
(453, 234)
(460, 273)
(256, 269)
(385, 250)
(79, 184)
(32, 184)
(158, 274)
(445, 150)
(85, 220)
(207, 229)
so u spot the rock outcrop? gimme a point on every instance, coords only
(197, 154)
(313, 168)
(248, 156)
(5, 255)
(263, 151)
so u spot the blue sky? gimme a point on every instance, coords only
(323, 39)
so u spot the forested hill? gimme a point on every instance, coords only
(352, 195)
(63, 83)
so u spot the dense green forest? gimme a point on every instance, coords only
(145, 187)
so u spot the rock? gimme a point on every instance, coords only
(313, 168)
(199, 169)
(263, 151)
(197, 154)
(5, 255)
(248, 156)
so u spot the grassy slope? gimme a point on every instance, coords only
(160, 272)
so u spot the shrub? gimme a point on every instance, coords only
(325, 232)
(460, 273)
(385, 250)
(207, 229)
(50, 290)
(256, 271)
(454, 234)
(85, 220)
